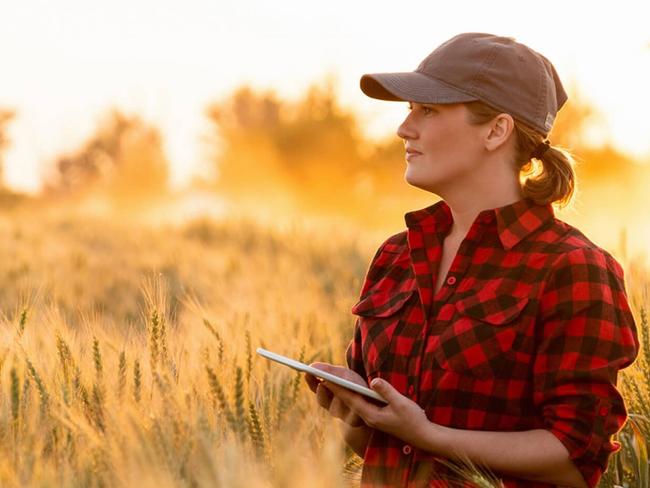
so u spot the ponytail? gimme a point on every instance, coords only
(554, 181)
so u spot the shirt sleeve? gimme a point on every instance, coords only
(353, 353)
(586, 334)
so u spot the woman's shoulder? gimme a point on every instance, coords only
(395, 244)
(392, 250)
(568, 246)
(391, 263)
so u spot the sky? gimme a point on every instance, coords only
(65, 64)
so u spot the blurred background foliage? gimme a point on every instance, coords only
(123, 159)
(308, 154)
(309, 157)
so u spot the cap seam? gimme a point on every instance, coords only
(489, 61)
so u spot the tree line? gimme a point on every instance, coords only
(309, 153)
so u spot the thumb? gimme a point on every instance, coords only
(322, 366)
(385, 389)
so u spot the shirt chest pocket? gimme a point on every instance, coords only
(381, 314)
(479, 339)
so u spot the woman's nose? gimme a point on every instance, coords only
(406, 129)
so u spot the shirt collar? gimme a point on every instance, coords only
(514, 221)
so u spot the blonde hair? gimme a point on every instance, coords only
(556, 182)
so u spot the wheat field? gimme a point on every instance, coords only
(127, 354)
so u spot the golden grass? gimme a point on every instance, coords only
(126, 355)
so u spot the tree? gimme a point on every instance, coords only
(124, 159)
(297, 152)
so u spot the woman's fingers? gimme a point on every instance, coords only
(339, 409)
(324, 396)
(354, 420)
(312, 382)
(340, 371)
(336, 407)
(330, 402)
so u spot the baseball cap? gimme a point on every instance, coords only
(499, 71)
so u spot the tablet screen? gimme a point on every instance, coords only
(297, 365)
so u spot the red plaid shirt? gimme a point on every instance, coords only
(528, 331)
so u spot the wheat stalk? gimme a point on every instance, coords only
(65, 357)
(220, 396)
(267, 410)
(97, 407)
(86, 406)
(163, 339)
(249, 357)
(15, 402)
(25, 397)
(479, 476)
(153, 340)
(137, 381)
(255, 430)
(239, 402)
(121, 375)
(284, 401)
(42, 390)
(22, 321)
(352, 467)
(217, 336)
(97, 358)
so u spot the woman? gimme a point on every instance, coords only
(494, 330)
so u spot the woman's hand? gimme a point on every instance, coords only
(326, 399)
(402, 417)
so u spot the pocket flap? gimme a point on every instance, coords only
(494, 310)
(381, 303)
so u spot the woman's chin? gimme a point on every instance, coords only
(412, 179)
(420, 183)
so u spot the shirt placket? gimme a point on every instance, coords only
(425, 250)
(425, 246)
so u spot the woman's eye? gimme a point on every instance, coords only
(425, 110)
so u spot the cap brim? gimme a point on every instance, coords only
(411, 87)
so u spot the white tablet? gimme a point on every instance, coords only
(297, 365)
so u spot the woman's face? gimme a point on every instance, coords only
(442, 148)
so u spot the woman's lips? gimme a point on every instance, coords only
(410, 154)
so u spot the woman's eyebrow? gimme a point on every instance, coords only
(434, 106)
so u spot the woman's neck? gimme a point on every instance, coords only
(464, 213)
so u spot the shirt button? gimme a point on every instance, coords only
(406, 449)
(451, 280)
(411, 389)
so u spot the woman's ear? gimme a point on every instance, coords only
(499, 131)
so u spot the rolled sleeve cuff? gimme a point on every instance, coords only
(590, 452)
